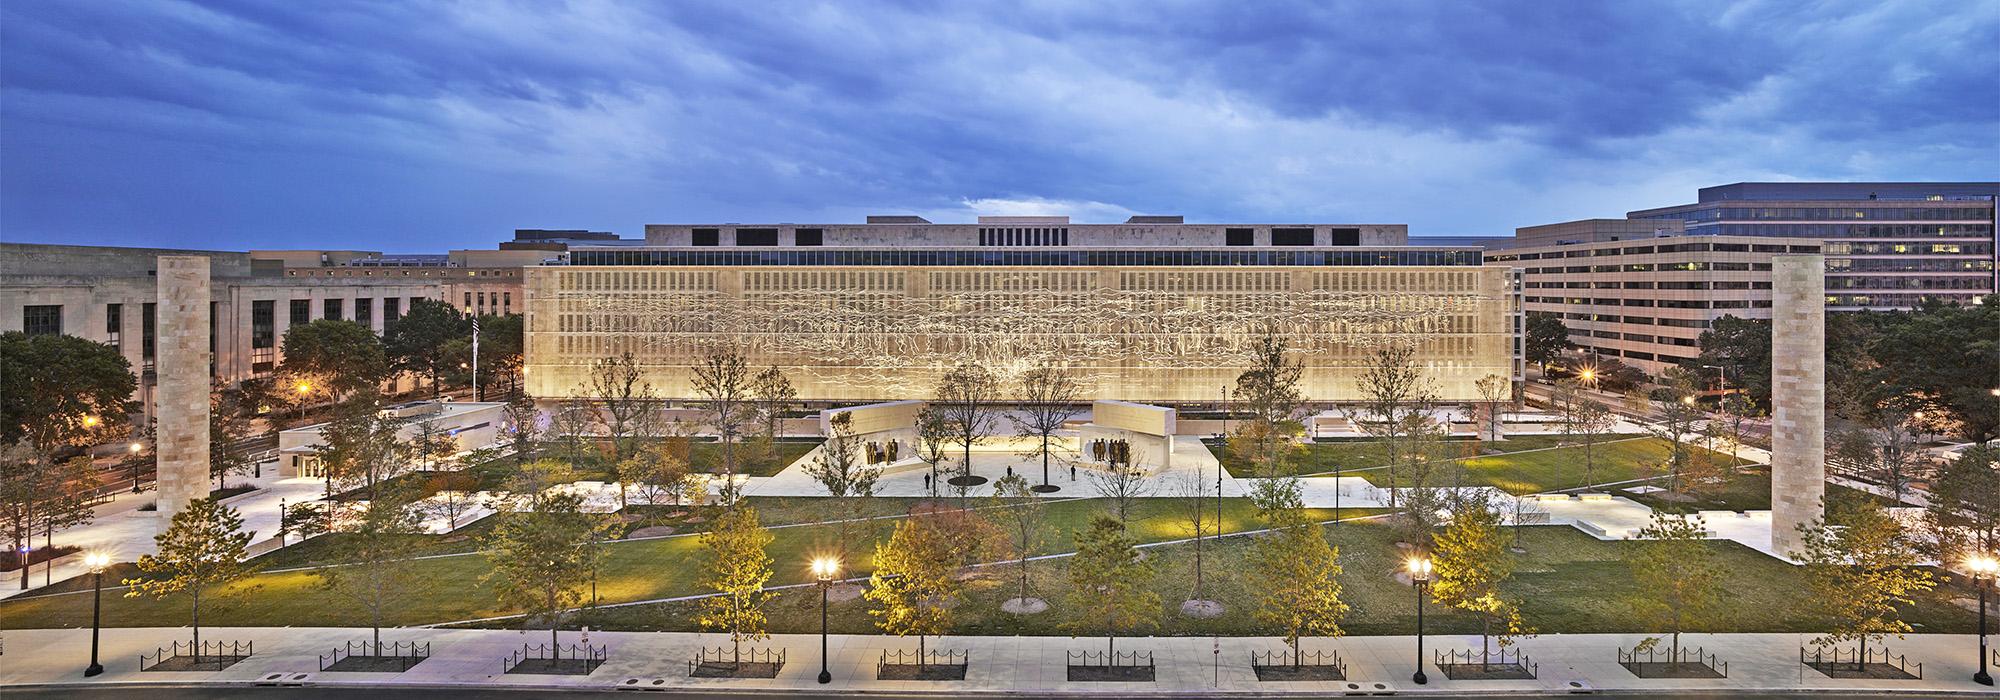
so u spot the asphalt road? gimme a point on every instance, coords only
(350, 693)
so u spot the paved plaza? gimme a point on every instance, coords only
(999, 665)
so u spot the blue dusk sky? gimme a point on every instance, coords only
(422, 126)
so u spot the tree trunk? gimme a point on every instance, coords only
(1297, 659)
(1485, 628)
(197, 626)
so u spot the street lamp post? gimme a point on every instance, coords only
(1420, 578)
(1984, 568)
(824, 568)
(96, 561)
(134, 448)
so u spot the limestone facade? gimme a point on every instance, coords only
(1798, 396)
(182, 364)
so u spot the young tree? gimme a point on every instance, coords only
(544, 555)
(1590, 419)
(362, 445)
(722, 379)
(1471, 562)
(1679, 424)
(774, 395)
(1881, 445)
(1049, 396)
(430, 444)
(736, 568)
(967, 397)
(1862, 568)
(1547, 338)
(377, 543)
(522, 428)
(1397, 397)
(570, 428)
(1269, 391)
(412, 342)
(1299, 575)
(933, 438)
(1018, 509)
(1108, 577)
(42, 494)
(849, 483)
(1495, 393)
(202, 551)
(915, 582)
(450, 501)
(344, 357)
(228, 424)
(1739, 409)
(628, 409)
(662, 473)
(1190, 500)
(1680, 580)
(1123, 484)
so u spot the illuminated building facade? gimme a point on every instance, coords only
(1150, 310)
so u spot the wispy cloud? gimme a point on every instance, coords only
(427, 125)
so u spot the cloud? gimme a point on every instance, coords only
(430, 125)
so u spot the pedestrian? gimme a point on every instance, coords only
(1010, 470)
(1072, 472)
(927, 482)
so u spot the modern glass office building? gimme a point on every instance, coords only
(1151, 310)
(1889, 245)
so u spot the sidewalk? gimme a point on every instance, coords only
(1185, 665)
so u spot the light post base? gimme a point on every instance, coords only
(1419, 678)
(95, 669)
(825, 677)
(1982, 678)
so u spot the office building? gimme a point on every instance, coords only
(1153, 309)
(1888, 245)
(1642, 291)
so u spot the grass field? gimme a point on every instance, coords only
(633, 570)
(1567, 582)
(1523, 464)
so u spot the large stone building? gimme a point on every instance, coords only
(1888, 245)
(109, 295)
(1153, 309)
(1642, 291)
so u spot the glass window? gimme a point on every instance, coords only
(41, 319)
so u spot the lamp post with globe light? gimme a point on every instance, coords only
(824, 569)
(1420, 578)
(1984, 568)
(96, 561)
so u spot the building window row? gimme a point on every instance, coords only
(1026, 258)
(1032, 236)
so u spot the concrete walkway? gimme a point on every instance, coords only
(1185, 665)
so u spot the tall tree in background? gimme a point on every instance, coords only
(774, 395)
(722, 380)
(378, 541)
(202, 552)
(1862, 569)
(1963, 515)
(543, 556)
(1880, 444)
(1547, 339)
(1108, 578)
(933, 439)
(1299, 580)
(1945, 357)
(968, 398)
(342, 358)
(1590, 419)
(523, 428)
(413, 341)
(228, 423)
(1678, 424)
(61, 391)
(1397, 397)
(627, 411)
(1471, 562)
(1018, 509)
(1049, 396)
(1680, 580)
(915, 582)
(1495, 393)
(1742, 347)
(1269, 391)
(736, 568)
(42, 494)
(501, 342)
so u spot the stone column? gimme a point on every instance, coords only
(181, 360)
(1798, 397)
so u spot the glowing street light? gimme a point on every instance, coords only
(96, 561)
(1420, 577)
(90, 421)
(1984, 567)
(824, 569)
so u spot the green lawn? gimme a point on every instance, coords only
(1522, 464)
(707, 456)
(1747, 489)
(634, 570)
(1568, 582)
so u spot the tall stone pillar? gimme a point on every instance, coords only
(180, 362)
(1798, 397)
